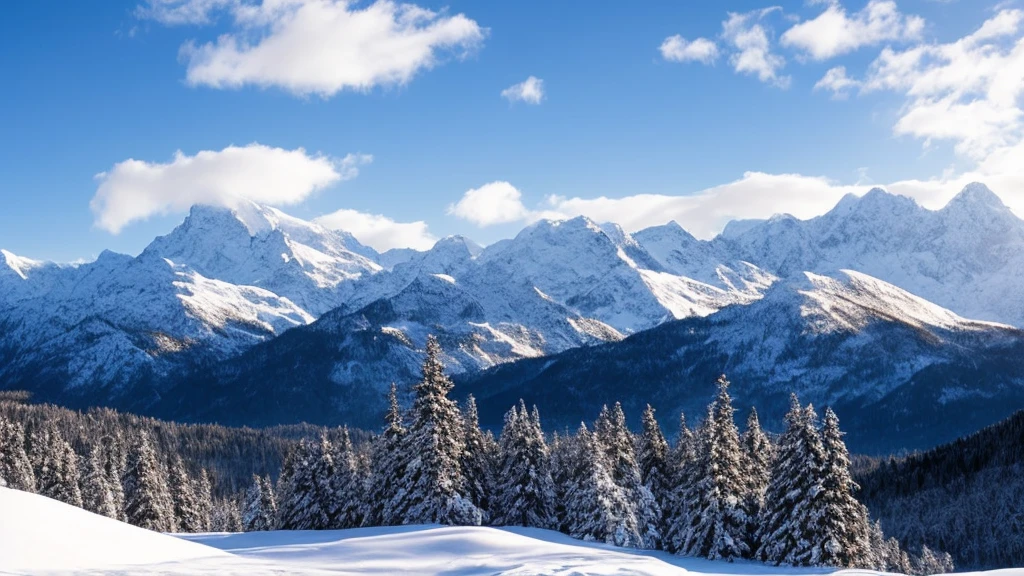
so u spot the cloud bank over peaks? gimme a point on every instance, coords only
(134, 190)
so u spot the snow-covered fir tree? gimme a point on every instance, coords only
(842, 528)
(681, 461)
(386, 498)
(225, 516)
(115, 461)
(97, 496)
(714, 499)
(147, 498)
(433, 477)
(255, 516)
(525, 491)
(477, 459)
(15, 466)
(188, 513)
(304, 496)
(653, 455)
(56, 466)
(204, 499)
(758, 453)
(931, 562)
(562, 454)
(787, 524)
(346, 485)
(596, 508)
(617, 443)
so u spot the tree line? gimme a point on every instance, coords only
(714, 493)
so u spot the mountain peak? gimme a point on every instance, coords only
(977, 194)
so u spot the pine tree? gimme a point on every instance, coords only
(758, 454)
(147, 498)
(15, 466)
(346, 486)
(562, 462)
(256, 512)
(115, 461)
(387, 501)
(596, 508)
(302, 487)
(615, 439)
(204, 499)
(188, 512)
(787, 527)
(717, 520)
(841, 526)
(225, 516)
(56, 466)
(434, 480)
(97, 497)
(525, 489)
(682, 462)
(931, 562)
(476, 459)
(268, 502)
(654, 461)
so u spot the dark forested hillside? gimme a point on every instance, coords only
(230, 455)
(966, 497)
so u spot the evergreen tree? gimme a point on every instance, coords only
(434, 446)
(97, 497)
(204, 500)
(562, 462)
(301, 487)
(346, 486)
(15, 466)
(596, 507)
(225, 516)
(147, 498)
(525, 489)
(758, 453)
(787, 525)
(476, 459)
(654, 461)
(931, 562)
(387, 500)
(616, 441)
(681, 463)
(115, 462)
(255, 518)
(841, 526)
(268, 502)
(56, 466)
(188, 513)
(716, 517)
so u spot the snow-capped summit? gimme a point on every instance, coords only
(254, 245)
(966, 256)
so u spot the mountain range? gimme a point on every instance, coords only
(896, 315)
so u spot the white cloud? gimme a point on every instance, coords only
(834, 32)
(493, 203)
(967, 91)
(679, 49)
(379, 232)
(530, 91)
(316, 46)
(837, 82)
(135, 189)
(179, 12)
(753, 55)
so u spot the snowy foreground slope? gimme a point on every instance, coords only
(43, 536)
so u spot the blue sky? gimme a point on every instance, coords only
(624, 131)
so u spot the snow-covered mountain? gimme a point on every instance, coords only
(221, 282)
(903, 372)
(968, 256)
(253, 316)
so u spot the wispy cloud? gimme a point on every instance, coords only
(835, 32)
(679, 49)
(378, 231)
(530, 91)
(753, 53)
